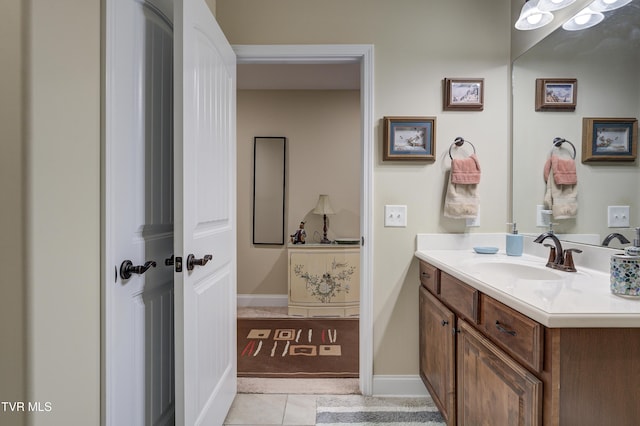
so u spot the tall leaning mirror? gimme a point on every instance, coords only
(269, 182)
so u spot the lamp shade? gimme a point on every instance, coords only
(607, 5)
(551, 5)
(586, 18)
(323, 206)
(531, 17)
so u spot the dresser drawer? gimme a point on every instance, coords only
(459, 296)
(517, 334)
(429, 277)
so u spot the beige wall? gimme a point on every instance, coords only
(50, 217)
(323, 156)
(417, 44)
(12, 309)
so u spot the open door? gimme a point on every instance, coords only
(205, 216)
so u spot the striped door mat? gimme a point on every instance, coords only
(357, 410)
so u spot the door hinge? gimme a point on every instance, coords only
(361, 241)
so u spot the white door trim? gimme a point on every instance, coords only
(318, 54)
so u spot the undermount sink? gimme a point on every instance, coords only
(512, 270)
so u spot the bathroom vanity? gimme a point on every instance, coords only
(506, 341)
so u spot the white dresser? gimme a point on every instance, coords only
(324, 280)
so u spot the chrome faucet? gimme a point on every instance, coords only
(613, 235)
(559, 259)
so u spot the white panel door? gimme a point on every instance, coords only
(205, 224)
(138, 307)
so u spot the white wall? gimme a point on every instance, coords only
(322, 128)
(417, 44)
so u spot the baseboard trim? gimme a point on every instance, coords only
(387, 385)
(256, 300)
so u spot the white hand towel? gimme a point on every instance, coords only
(461, 200)
(562, 200)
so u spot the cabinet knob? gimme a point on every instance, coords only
(444, 322)
(426, 275)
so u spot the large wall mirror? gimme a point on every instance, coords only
(605, 61)
(269, 179)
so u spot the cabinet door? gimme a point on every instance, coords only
(492, 388)
(437, 353)
(324, 276)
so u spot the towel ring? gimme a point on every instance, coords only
(557, 143)
(459, 141)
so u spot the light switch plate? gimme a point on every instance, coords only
(618, 216)
(395, 216)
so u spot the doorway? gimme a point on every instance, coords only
(337, 54)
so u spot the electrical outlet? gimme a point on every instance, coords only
(543, 217)
(618, 216)
(474, 222)
(395, 216)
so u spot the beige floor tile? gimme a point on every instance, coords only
(300, 410)
(257, 409)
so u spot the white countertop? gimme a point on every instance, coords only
(572, 299)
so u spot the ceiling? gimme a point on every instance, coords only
(343, 76)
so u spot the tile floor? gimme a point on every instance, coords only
(272, 409)
(258, 409)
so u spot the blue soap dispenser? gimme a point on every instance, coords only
(514, 242)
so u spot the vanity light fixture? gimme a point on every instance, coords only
(532, 17)
(607, 5)
(551, 5)
(584, 19)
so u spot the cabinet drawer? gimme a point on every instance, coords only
(517, 334)
(459, 296)
(429, 277)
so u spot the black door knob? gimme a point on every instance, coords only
(127, 268)
(192, 261)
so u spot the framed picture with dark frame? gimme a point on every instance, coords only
(609, 139)
(463, 94)
(556, 94)
(409, 138)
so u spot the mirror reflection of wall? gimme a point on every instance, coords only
(604, 59)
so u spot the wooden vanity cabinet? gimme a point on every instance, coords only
(485, 363)
(471, 379)
(437, 353)
(493, 388)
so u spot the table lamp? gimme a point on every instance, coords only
(324, 208)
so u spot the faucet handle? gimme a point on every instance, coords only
(568, 259)
(552, 255)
